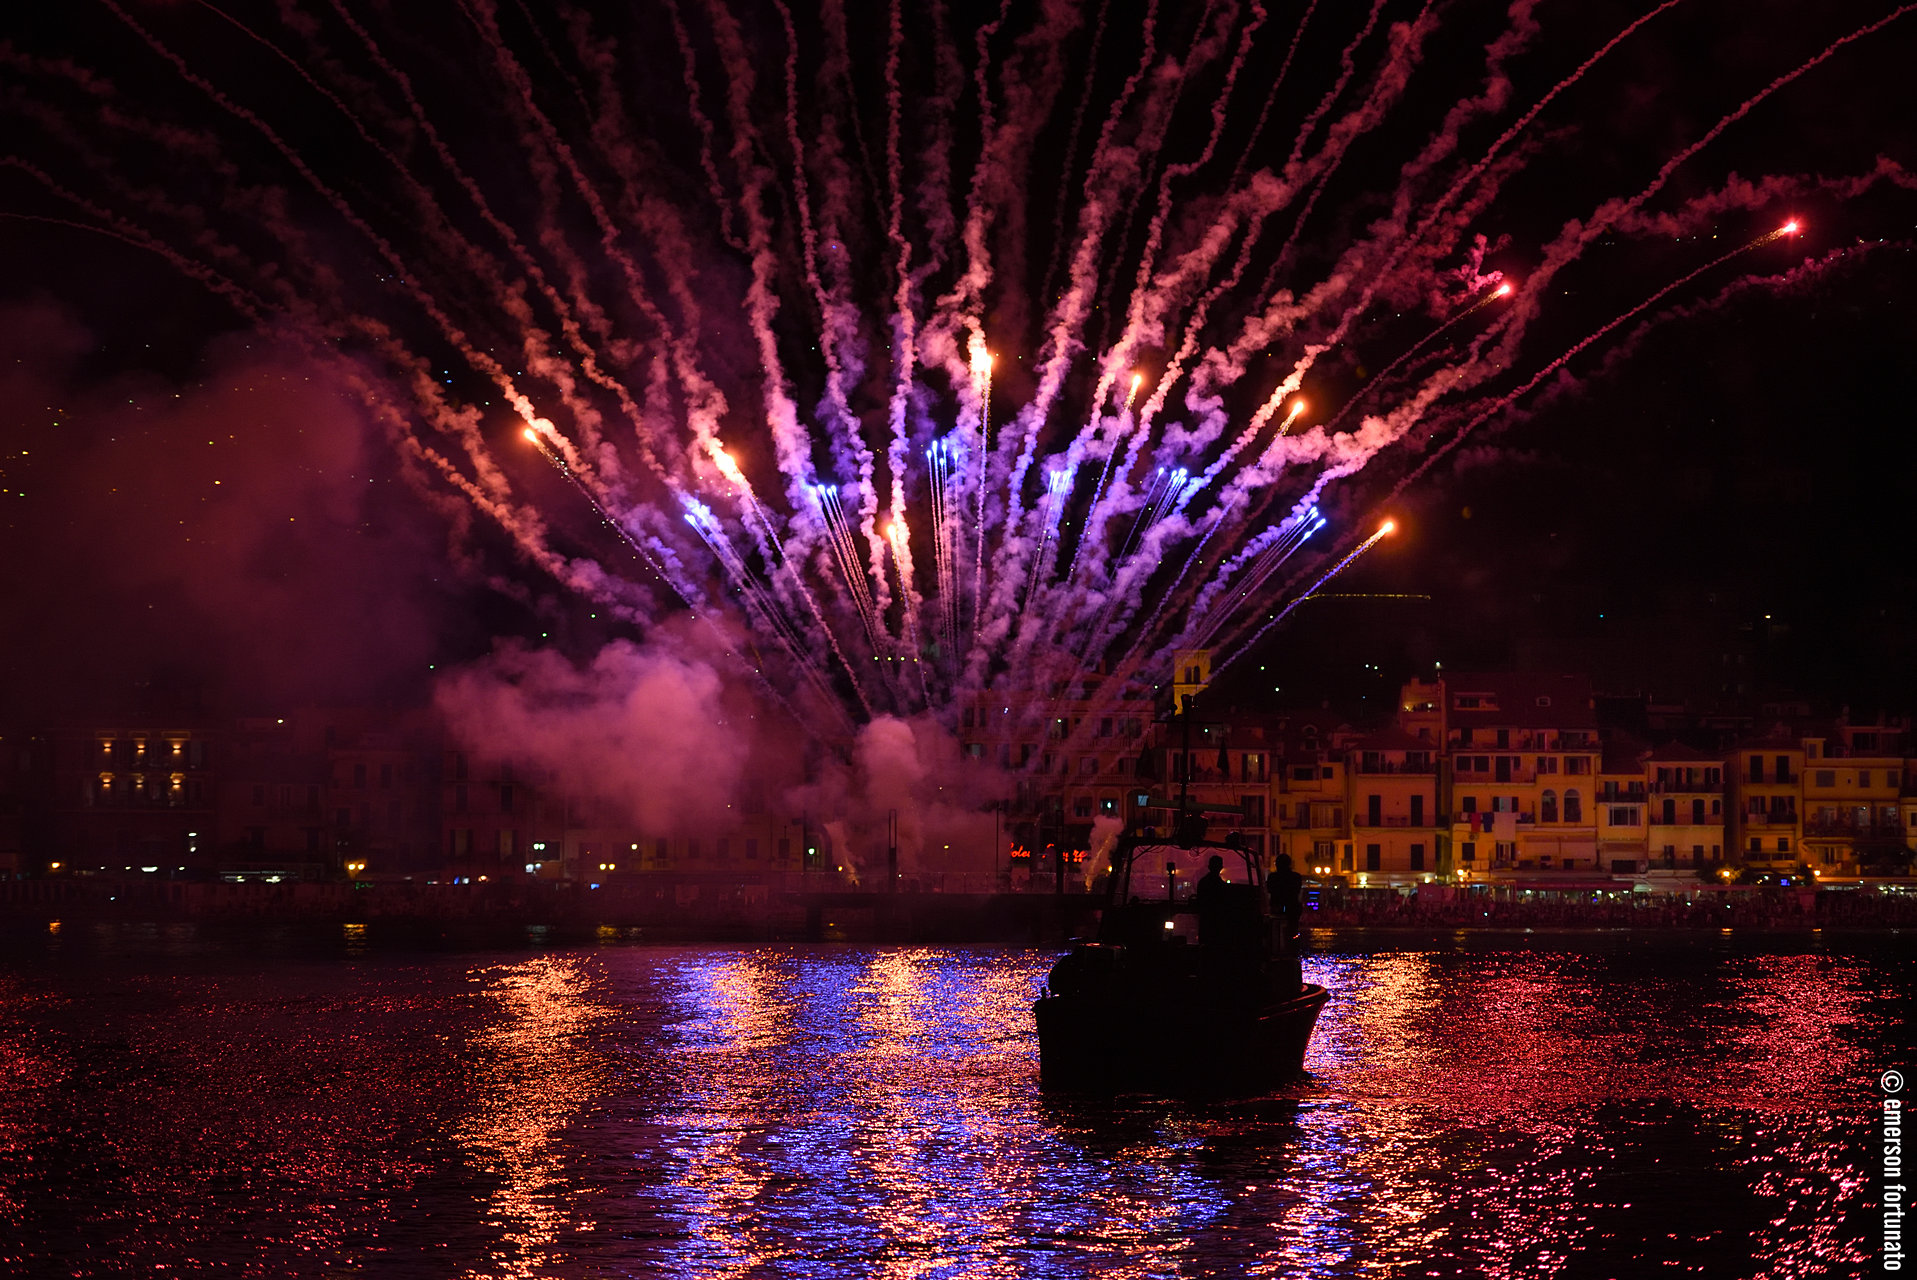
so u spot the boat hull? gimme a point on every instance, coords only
(1114, 1041)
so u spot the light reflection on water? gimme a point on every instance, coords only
(1514, 1109)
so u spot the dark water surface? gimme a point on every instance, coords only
(176, 1103)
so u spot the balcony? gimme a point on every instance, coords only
(1850, 828)
(1772, 818)
(1399, 820)
(1397, 766)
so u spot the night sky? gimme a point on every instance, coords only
(196, 514)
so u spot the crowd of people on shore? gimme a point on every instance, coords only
(1781, 910)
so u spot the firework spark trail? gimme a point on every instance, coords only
(1577, 237)
(535, 340)
(1061, 591)
(905, 347)
(1502, 290)
(1347, 68)
(1257, 334)
(1205, 46)
(836, 316)
(771, 551)
(981, 368)
(1412, 37)
(847, 553)
(1071, 148)
(706, 525)
(1503, 402)
(1266, 554)
(1271, 97)
(317, 335)
(791, 442)
(544, 438)
(703, 123)
(453, 333)
(1138, 323)
(1567, 248)
(546, 134)
(1107, 170)
(1228, 364)
(1264, 196)
(1219, 663)
(243, 300)
(1114, 626)
(708, 404)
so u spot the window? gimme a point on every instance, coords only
(1623, 816)
(1827, 777)
(1373, 857)
(1304, 773)
(1863, 777)
(1417, 857)
(386, 777)
(1783, 844)
(1548, 807)
(1547, 764)
(359, 776)
(1755, 771)
(1082, 807)
(506, 799)
(1468, 851)
(1253, 810)
(752, 849)
(1573, 807)
(1469, 804)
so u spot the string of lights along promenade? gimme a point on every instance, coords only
(900, 355)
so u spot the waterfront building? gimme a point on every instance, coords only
(1396, 821)
(1524, 760)
(1622, 806)
(1685, 790)
(272, 816)
(1766, 796)
(1852, 786)
(1314, 800)
(131, 796)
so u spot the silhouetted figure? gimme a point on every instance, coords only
(1209, 897)
(1286, 888)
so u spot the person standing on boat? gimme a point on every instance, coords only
(1287, 889)
(1209, 897)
